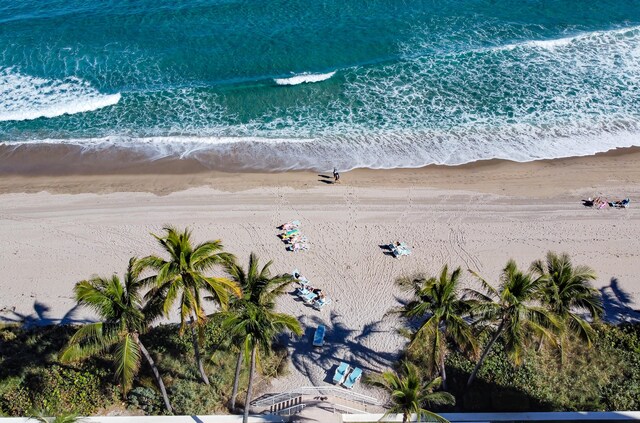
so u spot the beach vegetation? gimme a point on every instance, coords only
(552, 305)
(182, 277)
(511, 312)
(568, 293)
(409, 395)
(438, 305)
(119, 307)
(252, 319)
(259, 289)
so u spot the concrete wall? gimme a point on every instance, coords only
(509, 417)
(160, 419)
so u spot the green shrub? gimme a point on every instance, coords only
(146, 399)
(603, 377)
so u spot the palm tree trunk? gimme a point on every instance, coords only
(236, 382)
(156, 373)
(484, 353)
(540, 343)
(196, 349)
(247, 402)
(406, 417)
(443, 373)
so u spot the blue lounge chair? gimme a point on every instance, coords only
(308, 298)
(341, 373)
(318, 337)
(355, 375)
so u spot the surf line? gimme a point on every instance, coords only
(304, 78)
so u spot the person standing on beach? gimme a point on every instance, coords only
(336, 175)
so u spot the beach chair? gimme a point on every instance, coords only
(404, 250)
(290, 225)
(300, 279)
(297, 247)
(353, 377)
(318, 336)
(399, 250)
(341, 373)
(318, 304)
(303, 291)
(309, 298)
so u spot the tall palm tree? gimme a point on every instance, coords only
(409, 395)
(253, 319)
(183, 274)
(260, 289)
(439, 300)
(568, 292)
(119, 307)
(513, 308)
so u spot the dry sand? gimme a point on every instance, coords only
(476, 217)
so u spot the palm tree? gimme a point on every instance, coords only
(253, 319)
(513, 308)
(438, 298)
(409, 395)
(260, 289)
(567, 292)
(123, 320)
(183, 274)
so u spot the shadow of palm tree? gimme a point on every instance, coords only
(341, 344)
(42, 317)
(617, 304)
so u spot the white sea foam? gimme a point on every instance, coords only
(600, 37)
(376, 151)
(24, 97)
(304, 78)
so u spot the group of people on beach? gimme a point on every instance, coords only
(600, 203)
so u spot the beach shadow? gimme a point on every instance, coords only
(386, 250)
(617, 304)
(341, 344)
(326, 181)
(41, 317)
(325, 176)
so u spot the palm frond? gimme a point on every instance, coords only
(127, 361)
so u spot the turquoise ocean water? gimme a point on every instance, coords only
(298, 84)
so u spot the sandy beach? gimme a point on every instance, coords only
(60, 228)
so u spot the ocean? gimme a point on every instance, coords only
(294, 84)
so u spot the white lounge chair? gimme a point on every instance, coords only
(341, 373)
(297, 247)
(318, 336)
(353, 377)
(310, 297)
(399, 250)
(319, 303)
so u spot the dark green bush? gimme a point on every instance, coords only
(146, 399)
(603, 377)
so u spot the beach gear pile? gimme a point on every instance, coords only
(399, 249)
(308, 294)
(602, 203)
(292, 236)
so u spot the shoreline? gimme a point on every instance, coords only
(30, 170)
